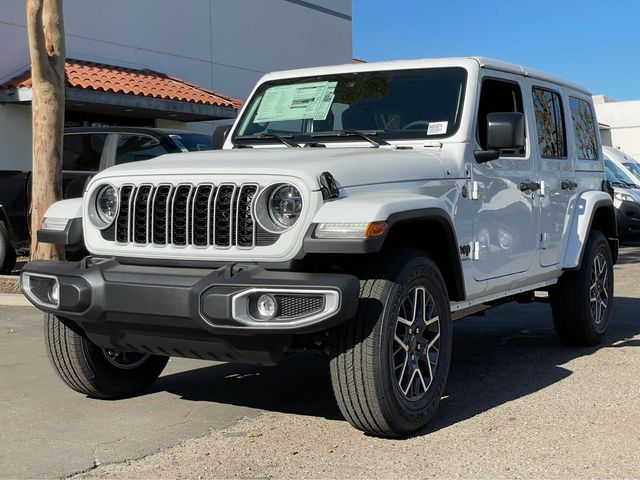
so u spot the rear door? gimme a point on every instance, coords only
(557, 175)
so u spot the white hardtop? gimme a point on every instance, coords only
(465, 62)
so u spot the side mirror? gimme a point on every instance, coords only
(505, 131)
(220, 134)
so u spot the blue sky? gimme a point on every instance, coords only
(594, 43)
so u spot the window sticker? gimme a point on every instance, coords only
(437, 128)
(296, 102)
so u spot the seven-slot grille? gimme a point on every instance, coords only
(203, 215)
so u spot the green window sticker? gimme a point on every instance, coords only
(301, 101)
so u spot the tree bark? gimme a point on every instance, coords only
(47, 49)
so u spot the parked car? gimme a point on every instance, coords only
(623, 160)
(427, 190)
(86, 151)
(626, 201)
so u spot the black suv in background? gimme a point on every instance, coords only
(86, 150)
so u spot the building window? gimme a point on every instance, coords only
(584, 128)
(549, 123)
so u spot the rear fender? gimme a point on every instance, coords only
(588, 205)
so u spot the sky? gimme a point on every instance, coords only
(593, 43)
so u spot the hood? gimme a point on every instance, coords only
(349, 166)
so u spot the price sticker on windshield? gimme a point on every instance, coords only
(437, 128)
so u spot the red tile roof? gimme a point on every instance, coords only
(129, 81)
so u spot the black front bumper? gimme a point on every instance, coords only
(185, 311)
(628, 218)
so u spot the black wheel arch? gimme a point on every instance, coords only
(442, 246)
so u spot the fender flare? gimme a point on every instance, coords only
(584, 211)
(71, 210)
(434, 210)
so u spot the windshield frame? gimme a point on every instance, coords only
(307, 138)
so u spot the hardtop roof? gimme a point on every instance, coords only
(482, 62)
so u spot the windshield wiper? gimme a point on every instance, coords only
(266, 136)
(368, 136)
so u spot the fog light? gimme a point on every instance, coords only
(266, 306)
(54, 293)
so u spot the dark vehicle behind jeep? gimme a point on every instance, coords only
(86, 151)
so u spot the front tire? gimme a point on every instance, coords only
(94, 371)
(582, 301)
(8, 255)
(390, 363)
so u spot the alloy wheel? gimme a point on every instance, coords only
(125, 360)
(599, 289)
(416, 343)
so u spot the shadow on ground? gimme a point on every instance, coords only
(507, 354)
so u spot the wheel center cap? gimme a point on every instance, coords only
(413, 343)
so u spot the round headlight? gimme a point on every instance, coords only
(285, 205)
(104, 210)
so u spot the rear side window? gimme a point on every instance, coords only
(584, 128)
(82, 151)
(549, 123)
(134, 148)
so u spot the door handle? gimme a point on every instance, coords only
(568, 185)
(529, 186)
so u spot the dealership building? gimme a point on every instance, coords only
(165, 63)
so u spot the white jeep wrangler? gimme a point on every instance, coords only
(356, 211)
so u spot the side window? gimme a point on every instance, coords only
(549, 123)
(82, 151)
(584, 128)
(133, 148)
(498, 96)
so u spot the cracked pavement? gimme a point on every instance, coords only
(519, 404)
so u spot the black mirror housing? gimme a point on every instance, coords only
(220, 134)
(505, 130)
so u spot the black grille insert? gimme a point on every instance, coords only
(292, 306)
(203, 215)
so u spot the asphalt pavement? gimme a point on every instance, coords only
(506, 361)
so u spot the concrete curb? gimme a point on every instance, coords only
(13, 300)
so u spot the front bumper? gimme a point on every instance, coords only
(628, 218)
(202, 313)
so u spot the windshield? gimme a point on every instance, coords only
(622, 176)
(192, 142)
(400, 104)
(634, 168)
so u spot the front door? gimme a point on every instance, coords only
(506, 212)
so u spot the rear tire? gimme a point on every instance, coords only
(8, 255)
(96, 372)
(390, 363)
(582, 301)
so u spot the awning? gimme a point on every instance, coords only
(102, 88)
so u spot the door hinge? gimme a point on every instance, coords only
(543, 188)
(473, 191)
(474, 253)
(544, 241)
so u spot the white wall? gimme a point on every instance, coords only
(15, 137)
(225, 45)
(623, 119)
